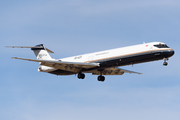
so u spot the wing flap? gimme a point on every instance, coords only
(128, 71)
(113, 71)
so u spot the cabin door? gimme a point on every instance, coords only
(90, 58)
(151, 48)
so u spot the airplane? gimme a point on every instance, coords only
(99, 63)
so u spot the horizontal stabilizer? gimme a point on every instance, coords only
(35, 47)
(49, 50)
(23, 47)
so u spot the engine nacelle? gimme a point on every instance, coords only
(45, 69)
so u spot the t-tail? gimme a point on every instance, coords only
(41, 52)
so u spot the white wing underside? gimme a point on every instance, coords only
(77, 66)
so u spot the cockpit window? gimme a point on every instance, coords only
(161, 46)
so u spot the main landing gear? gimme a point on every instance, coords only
(101, 78)
(165, 63)
(82, 76)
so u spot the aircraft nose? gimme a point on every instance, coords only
(171, 52)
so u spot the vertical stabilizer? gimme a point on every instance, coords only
(41, 52)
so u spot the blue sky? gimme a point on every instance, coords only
(76, 27)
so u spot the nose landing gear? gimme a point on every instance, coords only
(165, 63)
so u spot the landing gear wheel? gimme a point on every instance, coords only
(81, 75)
(165, 63)
(101, 78)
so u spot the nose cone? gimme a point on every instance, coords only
(171, 52)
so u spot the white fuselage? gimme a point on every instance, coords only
(114, 53)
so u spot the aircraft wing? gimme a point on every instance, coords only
(76, 66)
(59, 64)
(113, 71)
